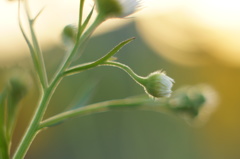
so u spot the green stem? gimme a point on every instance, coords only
(37, 50)
(80, 19)
(48, 92)
(102, 62)
(94, 108)
(33, 127)
(80, 42)
(31, 48)
(80, 68)
(127, 69)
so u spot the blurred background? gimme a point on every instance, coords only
(193, 41)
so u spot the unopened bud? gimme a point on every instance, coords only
(158, 84)
(117, 8)
(69, 34)
(195, 104)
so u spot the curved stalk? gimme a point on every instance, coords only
(94, 108)
(127, 69)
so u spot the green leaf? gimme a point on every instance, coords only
(80, 18)
(34, 48)
(35, 18)
(3, 112)
(115, 50)
(84, 25)
(100, 61)
(3, 116)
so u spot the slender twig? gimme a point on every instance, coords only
(30, 46)
(80, 19)
(39, 54)
(95, 108)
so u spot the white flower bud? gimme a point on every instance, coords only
(158, 84)
(117, 8)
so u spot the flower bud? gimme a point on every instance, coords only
(194, 104)
(69, 34)
(117, 8)
(158, 84)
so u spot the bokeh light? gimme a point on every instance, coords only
(193, 32)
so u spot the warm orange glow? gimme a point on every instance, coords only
(195, 31)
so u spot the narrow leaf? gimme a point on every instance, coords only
(35, 18)
(33, 53)
(32, 50)
(114, 50)
(83, 27)
(80, 18)
(100, 61)
(3, 140)
(2, 110)
(39, 55)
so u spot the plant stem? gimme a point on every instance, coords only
(95, 108)
(47, 94)
(127, 69)
(81, 41)
(31, 48)
(33, 127)
(42, 70)
(80, 19)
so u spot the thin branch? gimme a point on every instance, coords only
(96, 108)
